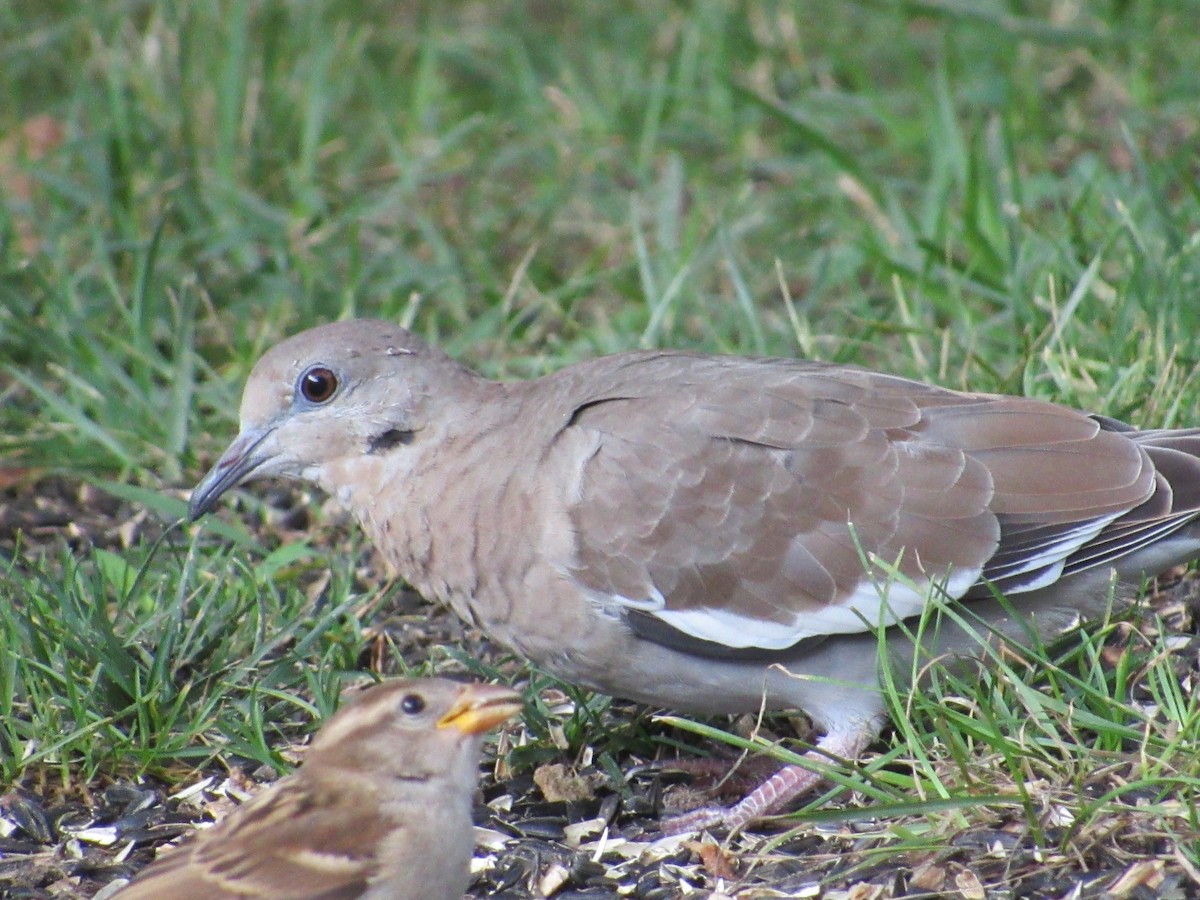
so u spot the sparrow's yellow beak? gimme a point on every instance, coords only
(480, 707)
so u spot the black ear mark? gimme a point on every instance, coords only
(393, 437)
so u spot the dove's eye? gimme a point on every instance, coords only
(412, 704)
(318, 384)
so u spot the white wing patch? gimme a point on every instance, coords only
(874, 602)
(1047, 559)
(879, 599)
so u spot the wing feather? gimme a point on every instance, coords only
(758, 503)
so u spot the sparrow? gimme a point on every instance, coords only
(381, 808)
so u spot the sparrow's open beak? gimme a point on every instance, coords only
(480, 707)
(238, 463)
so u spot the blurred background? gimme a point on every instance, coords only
(948, 188)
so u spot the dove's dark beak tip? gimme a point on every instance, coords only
(237, 464)
(205, 495)
(196, 508)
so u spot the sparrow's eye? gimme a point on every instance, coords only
(318, 384)
(412, 704)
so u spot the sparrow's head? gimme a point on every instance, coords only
(413, 728)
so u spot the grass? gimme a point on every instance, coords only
(999, 196)
(113, 664)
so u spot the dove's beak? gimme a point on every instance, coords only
(245, 456)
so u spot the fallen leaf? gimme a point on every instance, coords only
(1147, 873)
(718, 862)
(929, 878)
(558, 783)
(864, 891)
(969, 886)
(37, 137)
(555, 877)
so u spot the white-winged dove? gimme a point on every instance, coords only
(380, 809)
(712, 533)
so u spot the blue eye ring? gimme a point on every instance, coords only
(318, 384)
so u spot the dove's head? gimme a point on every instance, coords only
(332, 394)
